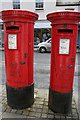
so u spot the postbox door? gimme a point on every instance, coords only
(64, 47)
(16, 59)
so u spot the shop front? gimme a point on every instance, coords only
(42, 31)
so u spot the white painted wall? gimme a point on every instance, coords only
(62, 8)
(49, 6)
(6, 5)
(27, 5)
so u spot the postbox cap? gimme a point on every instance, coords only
(64, 16)
(18, 15)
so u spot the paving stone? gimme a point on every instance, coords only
(38, 110)
(33, 109)
(4, 101)
(73, 111)
(8, 110)
(1, 117)
(38, 102)
(73, 103)
(46, 99)
(3, 93)
(68, 117)
(75, 116)
(0, 107)
(11, 115)
(50, 116)
(0, 113)
(39, 106)
(19, 112)
(32, 114)
(34, 105)
(39, 99)
(73, 106)
(44, 115)
(38, 114)
(35, 90)
(62, 116)
(13, 111)
(45, 110)
(3, 98)
(0, 99)
(3, 108)
(57, 116)
(45, 107)
(45, 103)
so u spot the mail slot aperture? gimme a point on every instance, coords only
(65, 31)
(12, 28)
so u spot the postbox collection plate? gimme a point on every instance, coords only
(12, 41)
(64, 46)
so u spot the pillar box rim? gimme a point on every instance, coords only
(64, 17)
(18, 15)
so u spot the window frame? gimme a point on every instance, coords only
(39, 2)
(16, 4)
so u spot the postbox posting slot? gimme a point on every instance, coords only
(12, 28)
(65, 31)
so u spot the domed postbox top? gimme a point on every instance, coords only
(18, 15)
(63, 16)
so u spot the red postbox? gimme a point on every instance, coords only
(19, 40)
(63, 51)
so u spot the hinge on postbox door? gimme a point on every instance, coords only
(22, 63)
(25, 54)
(72, 59)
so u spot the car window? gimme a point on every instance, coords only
(49, 41)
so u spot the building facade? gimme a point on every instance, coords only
(42, 8)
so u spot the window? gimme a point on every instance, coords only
(39, 5)
(49, 41)
(16, 4)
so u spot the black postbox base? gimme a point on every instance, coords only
(20, 98)
(60, 102)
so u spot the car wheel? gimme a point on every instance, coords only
(42, 50)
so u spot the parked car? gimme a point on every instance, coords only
(45, 46)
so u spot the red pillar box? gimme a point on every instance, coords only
(63, 51)
(19, 39)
